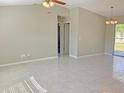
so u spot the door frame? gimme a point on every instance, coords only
(64, 35)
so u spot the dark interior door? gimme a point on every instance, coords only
(58, 38)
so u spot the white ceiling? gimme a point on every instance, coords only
(101, 7)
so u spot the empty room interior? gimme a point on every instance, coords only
(61, 46)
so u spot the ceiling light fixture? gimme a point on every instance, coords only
(48, 3)
(111, 20)
(51, 3)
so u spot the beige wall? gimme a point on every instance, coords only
(110, 33)
(74, 18)
(33, 30)
(120, 19)
(28, 30)
(88, 32)
(91, 36)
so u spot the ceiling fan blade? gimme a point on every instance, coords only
(59, 2)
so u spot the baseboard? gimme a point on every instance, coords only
(28, 61)
(108, 54)
(73, 56)
(95, 54)
(78, 57)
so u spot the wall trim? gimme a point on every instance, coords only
(48, 58)
(28, 61)
(78, 57)
(73, 56)
(90, 55)
(108, 54)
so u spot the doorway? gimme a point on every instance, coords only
(63, 36)
(119, 40)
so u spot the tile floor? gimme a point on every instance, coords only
(97, 74)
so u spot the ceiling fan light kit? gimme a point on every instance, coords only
(48, 3)
(51, 3)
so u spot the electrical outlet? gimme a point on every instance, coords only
(28, 55)
(23, 56)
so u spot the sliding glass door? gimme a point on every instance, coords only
(119, 40)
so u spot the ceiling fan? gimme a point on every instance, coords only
(51, 3)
